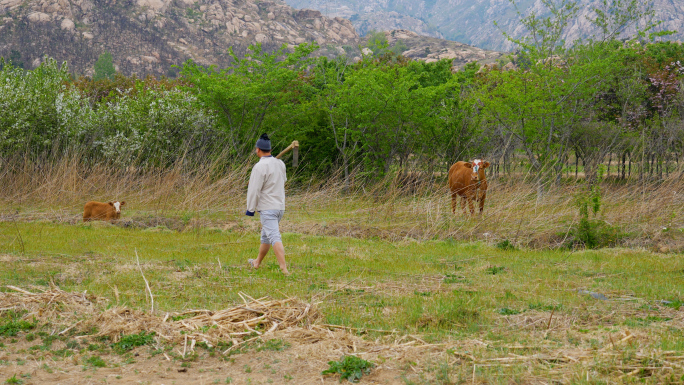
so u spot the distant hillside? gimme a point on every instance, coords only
(374, 15)
(431, 49)
(466, 21)
(149, 36)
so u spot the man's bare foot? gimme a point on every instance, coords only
(252, 263)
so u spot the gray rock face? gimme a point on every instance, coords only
(67, 24)
(149, 36)
(390, 21)
(431, 49)
(469, 21)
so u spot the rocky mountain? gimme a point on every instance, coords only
(470, 21)
(432, 49)
(149, 36)
(390, 21)
(371, 15)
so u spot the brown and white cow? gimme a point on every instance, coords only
(109, 211)
(468, 180)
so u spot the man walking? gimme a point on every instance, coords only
(266, 194)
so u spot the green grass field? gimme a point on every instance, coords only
(488, 314)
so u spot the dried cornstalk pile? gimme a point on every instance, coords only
(46, 305)
(26, 300)
(254, 318)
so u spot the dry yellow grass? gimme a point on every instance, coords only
(648, 214)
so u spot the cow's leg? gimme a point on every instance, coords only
(463, 205)
(454, 202)
(471, 206)
(482, 200)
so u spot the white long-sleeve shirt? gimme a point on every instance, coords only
(266, 189)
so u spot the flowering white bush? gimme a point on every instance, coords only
(152, 128)
(42, 116)
(29, 121)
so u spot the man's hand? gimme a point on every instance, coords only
(249, 213)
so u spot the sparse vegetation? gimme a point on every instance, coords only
(128, 342)
(14, 380)
(274, 345)
(11, 324)
(349, 368)
(96, 362)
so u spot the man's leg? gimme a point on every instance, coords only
(279, 250)
(270, 234)
(263, 250)
(265, 242)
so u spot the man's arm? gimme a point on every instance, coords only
(256, 181)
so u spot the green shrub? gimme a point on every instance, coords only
(11, 327)
(351, 368)
(13, 380)
(507, 311)
(128, 342)
(592, 232)
(96, 362)
(505, 245)
(494, 270)
(274, 345)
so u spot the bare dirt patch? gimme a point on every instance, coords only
(77, 338)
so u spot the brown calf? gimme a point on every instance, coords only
(468, 180)
(102, 211)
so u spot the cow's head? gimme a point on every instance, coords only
(478, 168)
(117, 207)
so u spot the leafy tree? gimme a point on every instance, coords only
(377, 42)
(104, 67)
(541, 105)
(253, 94)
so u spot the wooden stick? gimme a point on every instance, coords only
(273, 328)
(147, 284)
(288, 148)
(295, 154)
(69, 328)
(359, 329)
(19, 290)
(240, 343)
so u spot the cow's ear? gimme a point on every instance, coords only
(469, 165)
(111, 204)
(485, 164)
(123, 203)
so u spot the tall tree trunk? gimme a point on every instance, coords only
(346, 175)
(651, 158)
(667, 168)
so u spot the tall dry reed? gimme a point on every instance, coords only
(395, 208)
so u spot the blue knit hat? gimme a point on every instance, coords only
(264, 143)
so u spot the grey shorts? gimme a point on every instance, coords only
(270, 229)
